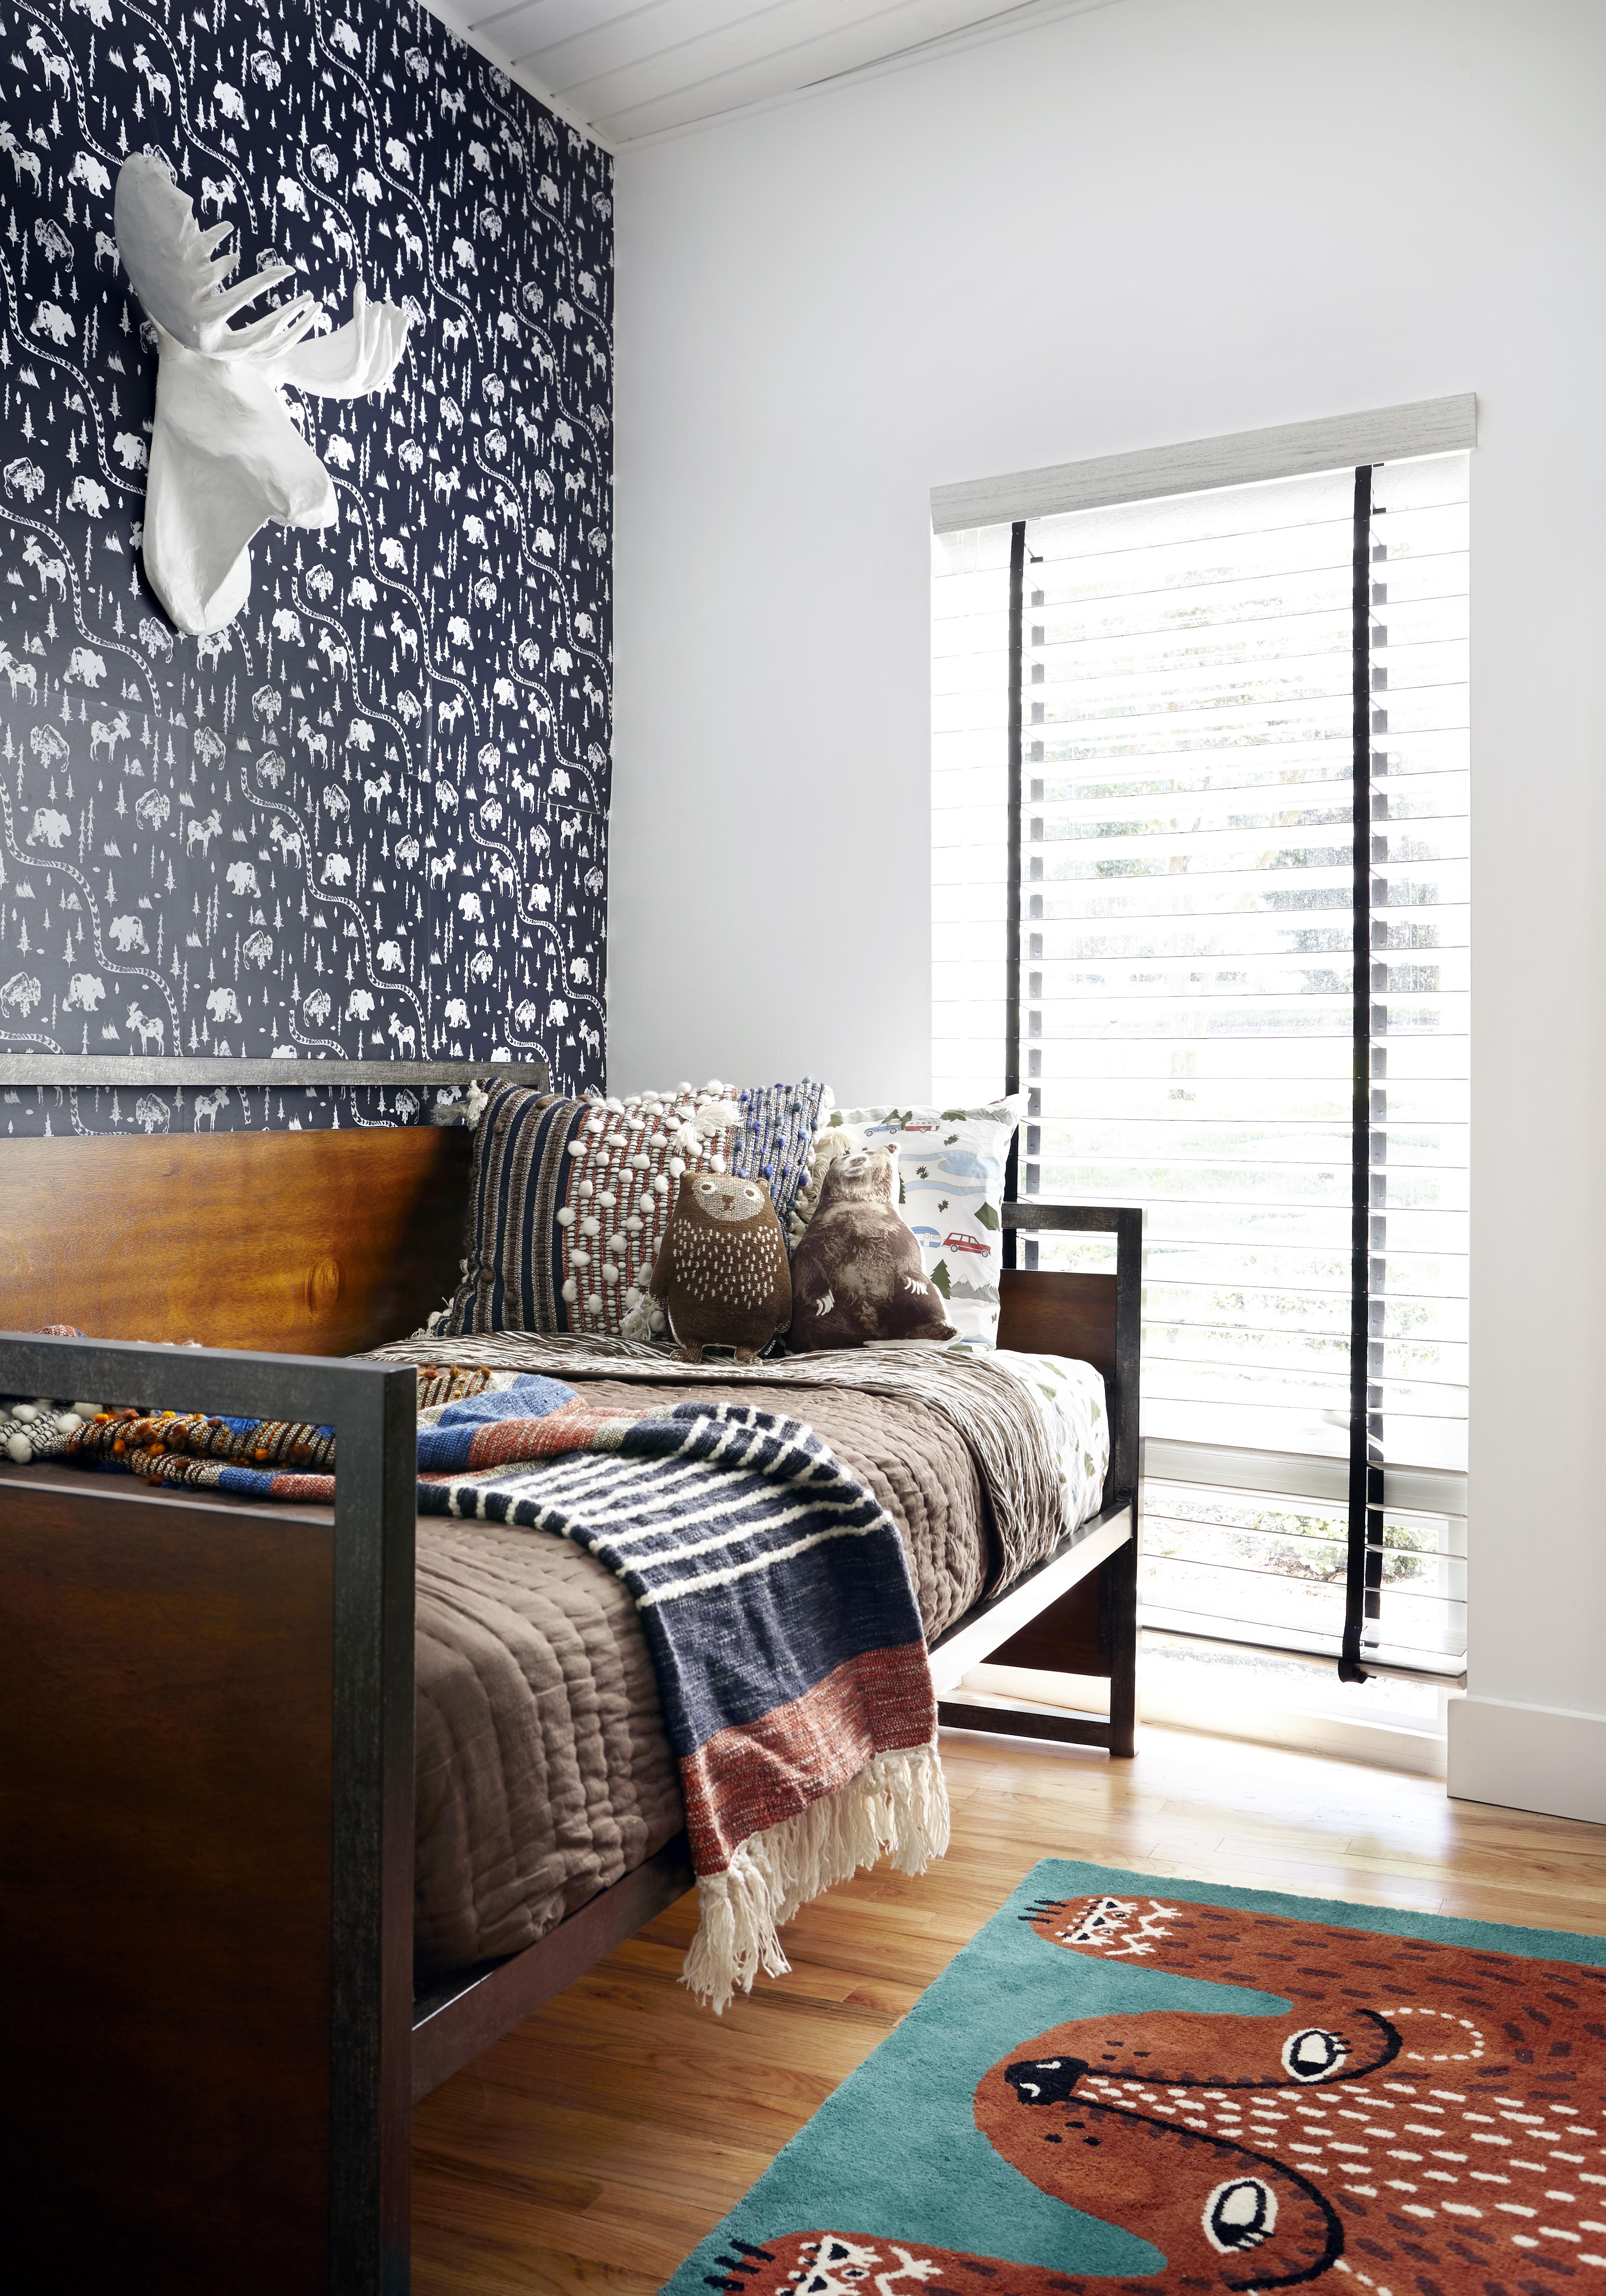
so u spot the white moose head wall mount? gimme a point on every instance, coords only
(226, 455)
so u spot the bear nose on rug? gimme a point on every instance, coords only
(1045, 2080)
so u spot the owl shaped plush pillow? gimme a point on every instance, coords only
(721, 1271)
(856, 1275)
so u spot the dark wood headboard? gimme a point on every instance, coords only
(292, 1243)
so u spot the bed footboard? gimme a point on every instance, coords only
(205, 1827)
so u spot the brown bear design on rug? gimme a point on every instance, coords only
(1426, 2119)
(721, 1268)
(857, 1273)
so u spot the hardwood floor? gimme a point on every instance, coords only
(594, 2146)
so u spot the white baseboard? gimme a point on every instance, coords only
(1384, 1745)
(1549, 1759)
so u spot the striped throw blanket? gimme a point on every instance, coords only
(783, 1631)
(1036, 1426)
(773, 1589)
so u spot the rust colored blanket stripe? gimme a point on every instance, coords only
(751, 1777)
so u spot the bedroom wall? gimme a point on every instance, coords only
(371, 816)
(1149, 223)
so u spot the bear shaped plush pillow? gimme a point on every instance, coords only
(856, 1275)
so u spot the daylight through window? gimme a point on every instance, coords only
(1215, 694)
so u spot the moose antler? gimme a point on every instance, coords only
(225, 454)
(169, 257)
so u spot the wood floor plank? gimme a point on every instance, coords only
(587, 2151)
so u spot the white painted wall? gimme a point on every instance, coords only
(1161, 220)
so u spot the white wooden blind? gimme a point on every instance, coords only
(1187, 996)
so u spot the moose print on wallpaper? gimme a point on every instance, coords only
(367, 817)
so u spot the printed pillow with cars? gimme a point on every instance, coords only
(951, 1165)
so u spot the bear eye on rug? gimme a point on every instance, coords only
(1124, 2084)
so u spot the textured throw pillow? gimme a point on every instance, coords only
(951, 1172)
(856, 1275)
(569, 1200)
(774, 1141)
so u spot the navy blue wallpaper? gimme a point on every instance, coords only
(371, 816)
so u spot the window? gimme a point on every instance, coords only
(1188, 709)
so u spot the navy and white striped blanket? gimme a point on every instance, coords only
(784, 1630)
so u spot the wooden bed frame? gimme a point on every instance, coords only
(206, 1707)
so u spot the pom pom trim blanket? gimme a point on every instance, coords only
(774, 1591)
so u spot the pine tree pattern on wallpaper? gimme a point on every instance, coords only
(370, 817)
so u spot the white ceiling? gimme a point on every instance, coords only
(625, 69)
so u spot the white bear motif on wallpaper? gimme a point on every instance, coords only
(225, 454)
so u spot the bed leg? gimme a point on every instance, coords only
(1121, 1636)
(1089, 1630)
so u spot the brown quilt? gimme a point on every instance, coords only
(544, 1773)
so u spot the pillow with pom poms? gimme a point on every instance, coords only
(775, 1142)
(568, 1202)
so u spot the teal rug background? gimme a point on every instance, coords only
(895, 2152)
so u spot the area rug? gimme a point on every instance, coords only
(1127, 2084)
